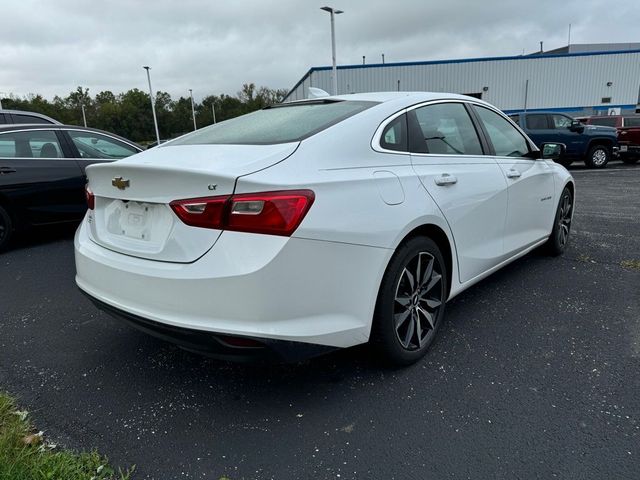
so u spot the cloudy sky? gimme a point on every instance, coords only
(213, 47)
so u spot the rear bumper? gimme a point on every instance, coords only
(216, 345)
(247, 285)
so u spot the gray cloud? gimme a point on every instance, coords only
(213, 47)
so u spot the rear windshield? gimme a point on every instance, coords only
(605, 121)
(278, 124)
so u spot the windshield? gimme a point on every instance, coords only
(278, 124)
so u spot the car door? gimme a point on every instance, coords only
(531, 206)
(43, 183)
(92, 147)
(468, 187)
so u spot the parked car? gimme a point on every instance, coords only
(319, 224)
(19, 116)
(595, 145)
(628, 128)
(42, 172)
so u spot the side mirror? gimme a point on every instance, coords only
(576, 126)
(553, 151)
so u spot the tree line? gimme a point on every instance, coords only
(129, 114)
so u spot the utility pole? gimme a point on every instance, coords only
(334, 70)
(193, 110)
(383, 58)
(153, 105)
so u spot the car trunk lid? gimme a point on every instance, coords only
(132, 213)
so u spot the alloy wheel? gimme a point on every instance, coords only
(599, 157)
(418, 299)
(564, 220)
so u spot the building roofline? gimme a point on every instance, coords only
(534, 56)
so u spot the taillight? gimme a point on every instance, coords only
(91, 199)
(272, 213)
(201, 212)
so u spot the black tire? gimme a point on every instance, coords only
(398, 332)
(598, 156)
(6, 228)
(630, 160)
(559, 239)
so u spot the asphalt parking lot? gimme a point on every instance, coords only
(534, 375)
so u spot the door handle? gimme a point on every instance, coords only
(5, 170)
(445, 179)
(513, 173)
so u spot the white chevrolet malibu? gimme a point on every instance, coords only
(319, 224)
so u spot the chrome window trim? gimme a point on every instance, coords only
(377, 136)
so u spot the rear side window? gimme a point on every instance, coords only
(19, 118)
(604, 121)
(446, 129)
(632, 122)
(505, 138)
(279, 124)
(94, 145)
(537, 122)
(394, 136)
(30, 144)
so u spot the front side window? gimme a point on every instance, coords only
(506, 139)
(560, 121)
(282, 123)
(30, 144)
(631, 122)
(447, 129)
(95, 145)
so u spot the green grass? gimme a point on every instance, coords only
(25, 455)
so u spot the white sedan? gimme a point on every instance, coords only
(319, 224)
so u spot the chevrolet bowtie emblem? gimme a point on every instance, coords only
(120, 183)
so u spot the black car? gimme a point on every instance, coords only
(19, 116)
(42, 178)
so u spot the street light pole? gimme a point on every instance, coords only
(333, 12)
(153, 104)
(193, 110)
(84, 117)
(213, 110)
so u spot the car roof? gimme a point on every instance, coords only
(34, 114)
(384, 97)
(41, 126)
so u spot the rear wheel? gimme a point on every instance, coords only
(411, 302)
(6, 228)
(559, 238)
(598, 156)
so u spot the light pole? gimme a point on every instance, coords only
(153, 104)
(213, 110)
(193, 110)
(334, 70)
(84, 116)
